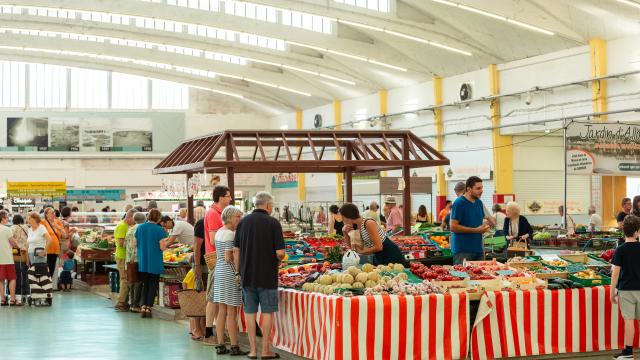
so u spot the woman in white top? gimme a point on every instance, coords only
(38, 238)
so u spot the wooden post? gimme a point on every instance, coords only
(406, 193)
(190, 218)
(230, 180)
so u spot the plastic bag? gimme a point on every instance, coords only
(350, 258)
(189, 281)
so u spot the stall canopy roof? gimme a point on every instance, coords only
(302, 151)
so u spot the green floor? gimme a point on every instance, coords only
(81, 325)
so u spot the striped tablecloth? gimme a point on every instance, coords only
(543, 322)
(372, 327)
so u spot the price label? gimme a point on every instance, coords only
(460, 274)
(505, 272)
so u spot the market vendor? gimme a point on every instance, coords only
(468, 223)
(515, 225)
(626, 210)
(374, 239)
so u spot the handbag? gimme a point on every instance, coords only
(193, 303)
(210, 259)
(132, 272)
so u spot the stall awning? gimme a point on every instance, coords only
(301, 151)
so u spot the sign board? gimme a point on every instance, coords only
(603, 148)
(48, 189)
(463, 173)
(96, 194)
(550, 207)
(395, 185)
(23, 202)
(284, 181)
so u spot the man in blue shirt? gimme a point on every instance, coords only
(467, 224)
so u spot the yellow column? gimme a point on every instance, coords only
(598, 56)
(441, 180)
(614, 188)
(502, 145)
(302, 186)
(382, 102)
(337, 121)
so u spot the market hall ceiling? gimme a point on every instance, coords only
(287, 54)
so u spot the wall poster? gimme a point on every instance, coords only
(27, 131)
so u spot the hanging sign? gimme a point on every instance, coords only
(52, 189)
(284, 181)
(23, 202)
(603, 148)
(395, 185)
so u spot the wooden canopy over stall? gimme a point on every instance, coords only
(304, 151)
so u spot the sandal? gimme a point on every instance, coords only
(4, 303)
(276, 356)
(222, 350)
(15, 303)
(235, 351)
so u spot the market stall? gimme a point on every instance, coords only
(270, 151)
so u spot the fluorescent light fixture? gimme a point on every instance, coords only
(355, 57)
(307, 46)
(305, 71)
(505, 19)
(294, 91)
(217, 91)
(387, 65)
(630, 3)
(429, 42)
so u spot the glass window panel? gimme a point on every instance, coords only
(129, 91)
(89, 89)
(47, 86)
(169, 95)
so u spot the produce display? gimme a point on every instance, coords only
(441, 241)
(299, 251)
(296, 276)
(542, 236)
(177, 254)
(90, 235)
(556, 263)
(456, 272)
(557, 284)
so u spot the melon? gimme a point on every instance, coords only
(362, 277)
(373, 277)
(367, 268)
(398, 267)
(347, 279)
(358, 285)
(353, 271)
(370, 283)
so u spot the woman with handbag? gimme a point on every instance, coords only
(517, 226)
(374, 239)
(56, 231)
(151, 239)
(227, 292)
(20, 233)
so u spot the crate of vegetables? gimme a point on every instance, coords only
(578, 257)
(556, 264)
(590, 278)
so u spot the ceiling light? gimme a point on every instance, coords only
(502, 18)
(429, 42)
(630, 3)
(364, 26)
(288, 67)
(216, 91)
(354, 57)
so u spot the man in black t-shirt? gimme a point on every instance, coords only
(259, 248)
(625, 279)
(626, 210)
(200, 271)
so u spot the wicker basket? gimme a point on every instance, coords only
(192, 303)
(211, 259)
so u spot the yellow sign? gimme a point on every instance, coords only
(42, 189)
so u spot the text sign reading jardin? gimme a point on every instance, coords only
(603, 148)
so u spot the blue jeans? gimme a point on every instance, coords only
(459, 258)
(267, 299)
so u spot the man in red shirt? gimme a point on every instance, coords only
(212, 223)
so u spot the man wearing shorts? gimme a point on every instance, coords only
(212, 223)
(625, 278)
(7, 267)
(259, 248)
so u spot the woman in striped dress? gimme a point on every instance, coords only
(227, 291)
(374, 238)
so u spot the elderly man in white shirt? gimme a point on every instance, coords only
(595, 221)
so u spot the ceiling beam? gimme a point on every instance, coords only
(319, 65)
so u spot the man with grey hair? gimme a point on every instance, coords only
(120, 233)
(259, 249)
(131, 245)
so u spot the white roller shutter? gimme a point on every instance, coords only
(549, 185)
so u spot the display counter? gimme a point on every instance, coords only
(319, 326)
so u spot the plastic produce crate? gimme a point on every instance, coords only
(591, 282)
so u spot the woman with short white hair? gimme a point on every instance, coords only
(227, 292)
(516, 225)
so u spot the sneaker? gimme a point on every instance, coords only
(623, 355)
